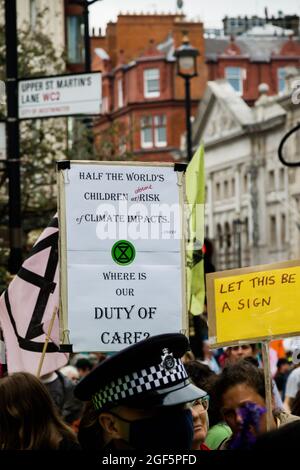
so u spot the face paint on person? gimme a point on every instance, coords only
(233, 399)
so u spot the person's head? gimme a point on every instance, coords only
(188, 357)
(201, 376)
(199, 373)
(283, 366)
(141, 395)
(28, 417)
(71, 372)
(238, 386)
(84, 367)
(236, 353)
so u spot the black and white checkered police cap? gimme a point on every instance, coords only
(148, 373)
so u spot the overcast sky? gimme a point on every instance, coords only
(210, 12)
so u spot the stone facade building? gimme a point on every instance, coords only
(252, 200)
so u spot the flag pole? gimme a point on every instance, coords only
(46, 342)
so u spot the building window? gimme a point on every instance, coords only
(227, 235)
(283, 229)
(281, 74)
(246, 183)
(232, 187)
(160, 131)
(218, 191)
(225, 189)
(151, 83)
(271, 180)
(120, 93)
(32, 13)
(281, 179)
(154, 131)
(234, 75)
(273, 230)
(220, 236)
(75, 27)
(146, 132)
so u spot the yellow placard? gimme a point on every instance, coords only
(257, 303)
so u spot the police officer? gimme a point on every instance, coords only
(142, 396)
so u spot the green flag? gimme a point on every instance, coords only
(195, 198)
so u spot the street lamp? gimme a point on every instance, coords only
(186, 59)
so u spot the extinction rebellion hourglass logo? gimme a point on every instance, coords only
(123, 252)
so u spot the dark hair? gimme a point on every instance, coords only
(243, 372)
(203, 377)
(84, 364)
(282, 362)
(90, 433)
(252, 360)
(199, 373)
(295, 410)
(28, 416)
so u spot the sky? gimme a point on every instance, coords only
(210, 12)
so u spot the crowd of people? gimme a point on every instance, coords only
(154, 395)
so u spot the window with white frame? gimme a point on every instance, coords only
(146, 132)
(120, 93)
(154, 131)
(281, 84)
(160, 131)
(235, 76)
(151, 83)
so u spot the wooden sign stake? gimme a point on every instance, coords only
(268, 383)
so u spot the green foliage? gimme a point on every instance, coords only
(4, 279)
(42, 142)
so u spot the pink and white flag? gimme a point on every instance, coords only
(27, 305)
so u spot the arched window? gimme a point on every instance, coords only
(227, 232)
(220, 236)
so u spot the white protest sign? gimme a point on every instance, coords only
(2, 141)
(122, 256)
(62, 95)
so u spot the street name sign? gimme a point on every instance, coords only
(61, 95)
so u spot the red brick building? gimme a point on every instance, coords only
(142, 94)
(248, 61)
